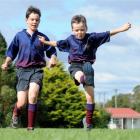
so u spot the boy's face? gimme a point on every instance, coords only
(33, 21)
(79, 30)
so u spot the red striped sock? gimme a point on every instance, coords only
(89, 113)
(31, 114)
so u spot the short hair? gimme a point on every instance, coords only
(32, 9)
(78, 19)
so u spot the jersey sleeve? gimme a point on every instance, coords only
(13, 48)
(99, 38)
(49, 49)
(63, 45)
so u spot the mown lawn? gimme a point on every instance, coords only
(68, 134)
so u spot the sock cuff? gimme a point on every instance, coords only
(32, 107)
(90, 106)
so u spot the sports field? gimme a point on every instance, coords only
(68, 134)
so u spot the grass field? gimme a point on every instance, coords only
(68, 134)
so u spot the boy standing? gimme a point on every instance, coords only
(30, 53)
(82, 48)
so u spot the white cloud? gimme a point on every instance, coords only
(105, 77)
(107, 83)
(135, 15)
(115, 49)
(96, 12)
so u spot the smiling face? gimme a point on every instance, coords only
(33, 22)
(79, 30)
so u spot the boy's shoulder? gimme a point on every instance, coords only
(70, 36)
(40, 33)
(92, 34)
(97, 34)
(20, 33)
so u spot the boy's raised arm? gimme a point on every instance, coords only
(50, 43)
(123, 28)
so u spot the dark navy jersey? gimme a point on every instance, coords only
(28, 50)
(85, 49)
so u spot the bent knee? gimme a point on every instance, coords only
(21, 104)
(80, 77)
(32, 100)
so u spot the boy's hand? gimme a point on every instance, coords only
(125, 27)
(42, 39)
(4, 66)
(49, 43)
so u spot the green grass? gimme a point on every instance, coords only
(69, 134)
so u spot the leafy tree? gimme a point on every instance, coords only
(111, 102)
(136, 98)
(8, 98)
(2, 51)
(7, 86)
(136, 89)
(123, 100)
(3, 45)
(127, 100)
(101, 118)
(61, 103)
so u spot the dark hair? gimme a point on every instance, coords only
(78, 19)
(32, 9)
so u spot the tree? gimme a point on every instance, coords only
(61, 103)
(3, 45)
(136, 98)
(101, 118)
(2, 51)
(136, 89)
(7, 87)
(123, 100)
(127, 100)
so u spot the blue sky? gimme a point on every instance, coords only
(117, 65)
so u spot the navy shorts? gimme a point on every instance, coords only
(86, 68)
(27, 75)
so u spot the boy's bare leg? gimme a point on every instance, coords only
(21, 101)
(32, 106)
(90, 105)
